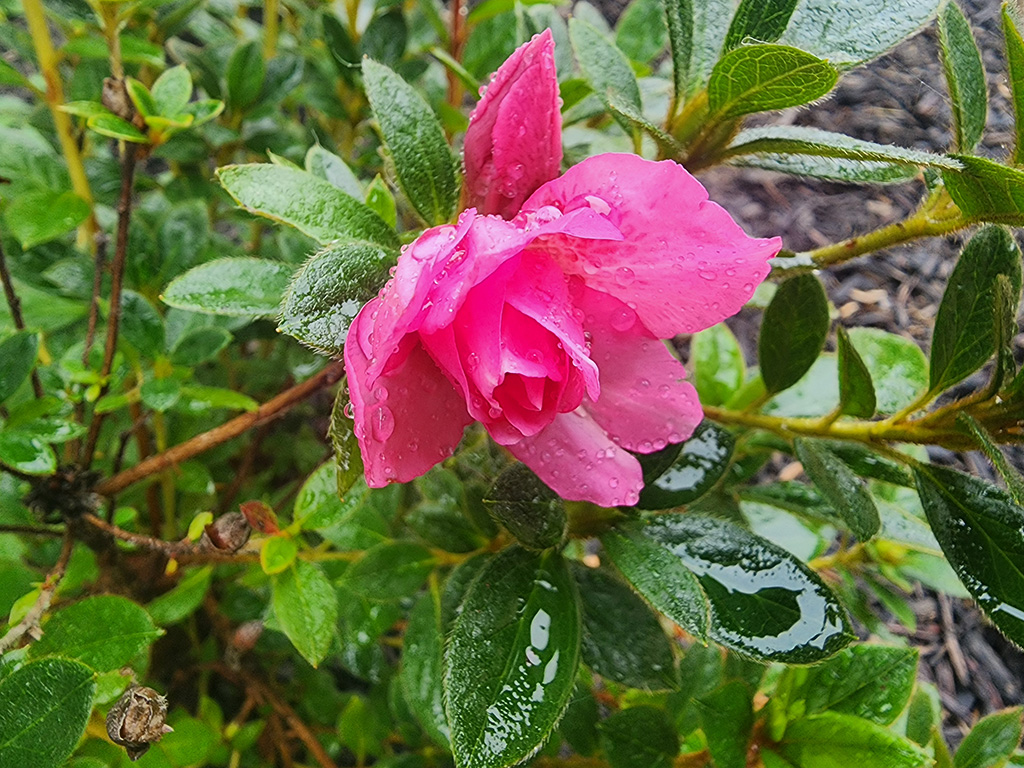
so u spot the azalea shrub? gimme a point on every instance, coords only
(369, 393)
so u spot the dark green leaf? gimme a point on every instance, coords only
(385, 38)
(964, 335)
(987, 191)
(41, 216)
(840, 486)
(1015, 71)
(924, 713)
(529, 510)
(760, 20)
(423, 162)
(727, 717)
(114, 127)
(307, 608)
(199, 345)
(866, 463)
(234, 286)
(329, 291)
(899, 370)
(160, 394)
(1011, 477)
(245, 74)
(329, 167)
(340, 46)
(313, 206)
(181, 601)
(26, 453)
(981, 532)
(764, 602)
(793, 332)
(717, 364)
(142, 325)
(856, 392)
(660, 578)
(580, 723)
(640, 657)
(390, 571)
(44, 707)
(991, 741)
(422, 667)
(965, 77)
(701, 462)
(347, 458)
(641, 32)
(869, 681)
(19, 355)
(511, 659)
(679, 15)
(639, 737)
(832, 739)
(760, 78)
(604, 66)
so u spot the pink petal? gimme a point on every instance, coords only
(579, 462)
(407, 418)
(514, 140)
(645, 401)
(683, 263)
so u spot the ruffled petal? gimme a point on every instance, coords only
(683, 263)
(579, 462)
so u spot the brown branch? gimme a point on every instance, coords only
(30, 623)
(15, 306)
(94, 302)
(183, 550)
(207, 440)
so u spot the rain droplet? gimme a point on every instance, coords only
(623, 318)
(383, 424)
(624, 276)
(707, 274)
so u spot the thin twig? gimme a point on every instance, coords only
(183, 550)
(30, 623)
(207, 440)
(14, 303)
(94, 303)
(32, 530)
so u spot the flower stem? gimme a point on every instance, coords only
(271, 23)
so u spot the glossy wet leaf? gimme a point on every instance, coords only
(843, 490)
(329, 167)
(986, 190)
(423, 162)
(661, 579)
(991, 742)
(829, 168)
(760, 20)
(234, 286)
(390, 570)
(964, 337)
(18, 352)
(104, 632)
(1012, 477)
(348, 461)
(764, 602)
(761, 78)
(312, 205)
(717, 364)
(26, 453)
(856, 391)
(329, 291)
(981, 532)
(622, 638)
(44, 708)
(793, 331)
(727, 717)
(422, 667)
(307, 608)
(965, 77)
(604, 66)
(527, 508)
(832, 739)
(639, 737)
(277, 553)
(703, 459)
(511, 658)
(866, 463)
(641, 33)
(898, 368)
(1015, 72)
(38, 217)
(853, 31)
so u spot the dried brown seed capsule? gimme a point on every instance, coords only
(137, 720)
(228, 532)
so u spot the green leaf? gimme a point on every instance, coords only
(1015, 71)
(315, 207)
(717, 364)
(703, 459)
(44, 708)
(924, 713)
(245, 74)
(850, 32)
(640, 658)
(426, 169)
(160, 394)
(181, 601)
(765, 603)
(873, 682)
(760, 78)
(422, 667)
(991, 742)
(965, 77)
(40, 216)
(390, 570)
(899, 370)
(639, 737)
(202, 398)
(348, 460)
(385, 37)
(380, 200)
(641, 33)
(856, 392)
(679, 15)
(277, 553)
(329, 291)
(527, 508)
(511, 659)
(793, 332)
(343, 51)
(604, 66)
(727, 717)
(708, 24)
(1011, 477)
(26, 453)
(199, 345)
(172, 91)
(234, 286)
(832, 739)
(964, 336)
(987, 191)
(866, 463)
(981, 532)
(104, 632)
(661, 579)
(18, 352)
(141, 325)
(10, 76)
(141, 97)
(307, 608)
(114, 127)
(760, 20)
(840, 487)
(329, 167)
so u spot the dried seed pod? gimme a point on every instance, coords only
(137, 720)
(228, 532)
(246, 636)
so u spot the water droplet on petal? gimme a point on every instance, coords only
(383, 423)
(623, 318)
(624, 276)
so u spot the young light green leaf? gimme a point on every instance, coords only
(10, 76)
(986, 190)
(329, 167)
(1015, 72)
(793, 332)
(511, 658)
(245, 74)
(181, 601)
(423, 162)
(172, 91)
(717, 364)
(964, 335)
(704, 457)
(200, 398)
(898, 368)
(856, 391)
(760, 20)
(842, 489)
(40, 216)
(277, 553)
(641, 33)
(760, 78)
(639, 737)
(423, 667)
(310, 204)
(965, 77)
(991, 742)
(831, 739)
(380, 200)
(44, 708)
(390, 570)
(240, 286)
(727, 717)
(18, 352)
(116, 128)
(26, 453)
(141, 97)
(604, 66)
(307, 608)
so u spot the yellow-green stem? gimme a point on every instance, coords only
(170, 530)
(270, 27)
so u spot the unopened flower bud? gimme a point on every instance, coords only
(228, 532)
(138, 720)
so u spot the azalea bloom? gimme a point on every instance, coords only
(547, 328)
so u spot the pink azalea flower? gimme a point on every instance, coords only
(547, 328)
(514, 140)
